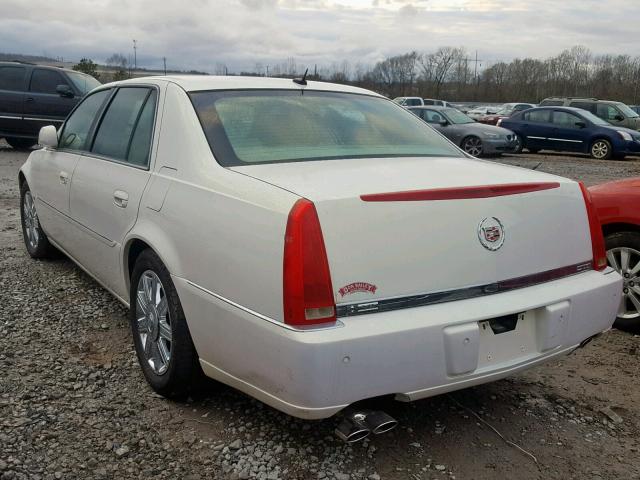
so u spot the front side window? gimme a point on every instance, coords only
(76, 128)
(457, 117)
(565, 120)
(46, 81)
(12, 78)
(83, 82)
(607, 112)
(432, 116)
(118, 123)
(536, 116)
(265, 126)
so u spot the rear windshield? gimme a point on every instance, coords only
(265, 126)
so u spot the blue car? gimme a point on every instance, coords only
(567, 129)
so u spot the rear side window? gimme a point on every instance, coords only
(551, 103)
(536, 116)
(12, 78)
(114, 134)
(141, 140)
(46, 81)
(76, 128)
(588, 106)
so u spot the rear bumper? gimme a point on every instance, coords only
(412, 353)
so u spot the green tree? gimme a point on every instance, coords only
(87, 66)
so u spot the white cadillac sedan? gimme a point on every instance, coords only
(313, 244)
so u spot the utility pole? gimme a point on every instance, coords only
(476, 80)
(164, 60)
(135, 54)
(267, 70)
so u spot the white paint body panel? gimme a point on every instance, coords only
(220, 232)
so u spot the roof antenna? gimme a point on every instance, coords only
(303, 80)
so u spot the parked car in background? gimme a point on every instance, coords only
(617, 207)
(616, 113)
(567, 129)
(478, 112)
(506, 111)
(32, 96)
(373, 257)
(417, 101)
(635, 108)
(439, 103)
(409, 101)
(474, 138)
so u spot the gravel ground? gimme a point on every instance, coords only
(74, 404)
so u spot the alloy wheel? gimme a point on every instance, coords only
(31, 222)
(153, 321)
(600, 149)
(626, 261)
(473, 146)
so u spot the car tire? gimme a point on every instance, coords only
(161, 336)
(519, 144)
(472, 145)
(35, 240)
(628, 318)
(601, 149)
(20, 143)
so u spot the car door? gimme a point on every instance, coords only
(568, 133)
(43, 105)
(536, 128)
(12, 86)
(52, 170)
(109, 181)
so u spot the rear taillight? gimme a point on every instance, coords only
(307, 290)
(597, 239)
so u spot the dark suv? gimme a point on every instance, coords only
(32, 96)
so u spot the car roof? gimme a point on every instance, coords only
(195, 83)
(15, 63)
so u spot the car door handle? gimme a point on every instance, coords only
(120, 199)
(29, 99)
(64, 178)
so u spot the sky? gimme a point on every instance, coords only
(201, 34)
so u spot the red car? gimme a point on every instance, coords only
(505, 111)
(618, 207)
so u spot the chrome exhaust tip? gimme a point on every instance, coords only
(380, 422)
(356, 426)
(352, 428)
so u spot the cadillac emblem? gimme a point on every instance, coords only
(491, 233)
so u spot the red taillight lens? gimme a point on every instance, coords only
(307, 290)
(597, 239)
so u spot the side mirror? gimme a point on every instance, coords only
(619, 118)
(65, 91)
(48, 137)
(581, 124)
(443, 123)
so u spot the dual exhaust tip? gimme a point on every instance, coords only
(356, 426)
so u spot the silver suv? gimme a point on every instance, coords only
(616, 113)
